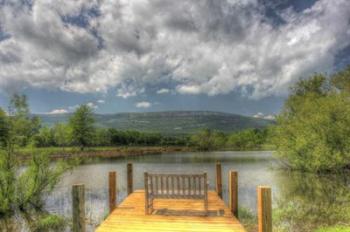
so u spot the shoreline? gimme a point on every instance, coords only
(112, 152)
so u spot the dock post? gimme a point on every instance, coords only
(129, 178)
(264, 209)
(112, 187)
(218, 179)
(233, 192)
(78, 199)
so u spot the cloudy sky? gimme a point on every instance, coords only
(238, 56)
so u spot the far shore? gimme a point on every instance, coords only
(57, 153)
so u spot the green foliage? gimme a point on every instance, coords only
(23, 127)
(44, 138)
(60, 135)
(4, 128)
(23, 188)
(312, 132)
(37, 180)
(247, 218)
(341, 80)
(7, 180)
(49, 223)
(334, 229)
(138, 138)
(311, 201)
(250, 139)
(82, 124)
(19, 105)
(207, 140)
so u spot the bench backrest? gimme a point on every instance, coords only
(176, 186)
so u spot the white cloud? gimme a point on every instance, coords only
(71, 108)
(206, 47)
(129, 91)
(263, 116)
(58, 111)
(163, 91)
(101, 101)
(92, 105)
(143, 104)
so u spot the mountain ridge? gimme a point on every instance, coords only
(168, 122)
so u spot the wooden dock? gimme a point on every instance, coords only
(130, 215)
(173, 213)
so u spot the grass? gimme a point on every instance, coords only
(247, 218)
(334, 229)
(50, 223)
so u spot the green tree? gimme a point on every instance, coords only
(312, 131)
(62, 134)
(23, 126)
(341, 80)
(44, 138)
(207, 139)
(82, 125)
(4, 128)
(23, 188)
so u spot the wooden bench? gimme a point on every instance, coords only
(175, 186)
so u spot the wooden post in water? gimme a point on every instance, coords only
(112, 189)
(233, 192)
(218, 179)
(264, 209)
(78, 199)
(129, 178)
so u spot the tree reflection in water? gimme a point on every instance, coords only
(308, 201)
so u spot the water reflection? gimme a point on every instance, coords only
(308, 201)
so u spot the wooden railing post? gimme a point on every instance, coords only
(78, 199)
(112, 187)
(264, 209)
(233, 195)
(129, 178)
(218, 179)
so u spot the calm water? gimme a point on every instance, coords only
(302, 200)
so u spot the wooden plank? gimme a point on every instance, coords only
(219, 179)
(130, 216)
(112, 190)
(78, 204)
(129, 178)
(233, 195)
(264, 209)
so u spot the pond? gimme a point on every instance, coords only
(301, 201)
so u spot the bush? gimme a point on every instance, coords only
(312, 131)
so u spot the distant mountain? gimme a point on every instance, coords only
(169, 122)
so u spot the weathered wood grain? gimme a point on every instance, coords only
(112, 190)
(264, 209)
(233, 192)
(219, 179)
(78, 204)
